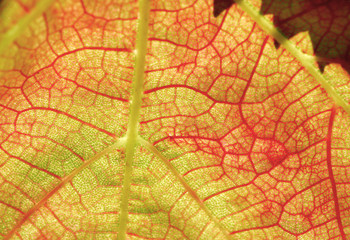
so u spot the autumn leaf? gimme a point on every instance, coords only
(325, 21)
(157, 120)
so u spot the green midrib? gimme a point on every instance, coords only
(304, 59)
(189, 190)
(141, 48)
(132, 137)
(134, 113)
(15, 31)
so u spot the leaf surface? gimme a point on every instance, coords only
(325, 21)
(233, 138)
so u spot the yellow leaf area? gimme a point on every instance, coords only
(235, 139)
(12, 11)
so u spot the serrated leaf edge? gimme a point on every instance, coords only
(304, 59)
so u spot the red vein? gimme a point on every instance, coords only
(64, 181)
(178, 176)
(70, 116)
(331, 175)
(30, 164)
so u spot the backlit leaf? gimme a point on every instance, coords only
(120, 122)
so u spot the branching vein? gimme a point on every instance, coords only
(134, 114)
(304, 59)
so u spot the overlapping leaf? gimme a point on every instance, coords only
(325, 21)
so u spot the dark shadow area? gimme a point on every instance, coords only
(327, 21)
(1, 6)
(220, 6)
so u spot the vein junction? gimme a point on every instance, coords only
(132, 136)
(15, 31)
(304, 59)
(134, 114)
